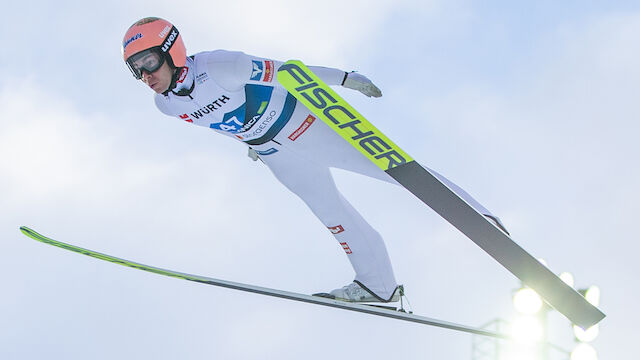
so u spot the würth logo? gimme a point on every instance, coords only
(336, 229)
(305, 125)
(214, 105)
(346, 248)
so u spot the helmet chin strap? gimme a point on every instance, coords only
(174, 80)
(174, 83)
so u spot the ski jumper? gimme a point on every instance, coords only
(238, 95)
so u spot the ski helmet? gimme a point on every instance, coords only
(151, 41)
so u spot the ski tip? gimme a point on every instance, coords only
(27, 231)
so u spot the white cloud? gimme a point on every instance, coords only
(46, 146)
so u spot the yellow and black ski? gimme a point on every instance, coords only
(372, 143)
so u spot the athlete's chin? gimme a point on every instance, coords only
(158, 88)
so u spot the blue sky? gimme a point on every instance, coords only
(532, 108)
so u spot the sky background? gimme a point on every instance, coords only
(532, 107)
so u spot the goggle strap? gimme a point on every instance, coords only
(169, 40)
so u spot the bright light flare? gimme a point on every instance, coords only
(527, 329)
(568, 279)
(527, 301)
(586, 335)
(593, 295)
(520, 354)
(584, 352)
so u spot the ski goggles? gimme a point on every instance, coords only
(149, 60)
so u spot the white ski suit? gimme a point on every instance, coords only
(238, 95)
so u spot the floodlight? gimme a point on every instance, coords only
(527, 301)
(567, 277)
(593, 295)
(586, 335)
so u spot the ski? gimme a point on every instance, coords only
(373, 144)
(367, 309)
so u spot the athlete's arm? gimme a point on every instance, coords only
(234, 69)
(257, 70)
(260, 70)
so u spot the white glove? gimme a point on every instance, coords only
(361, 83)
(253, 154)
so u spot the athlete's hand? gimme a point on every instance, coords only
(361, 83)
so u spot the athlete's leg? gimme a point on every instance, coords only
(314, 184)
(326, 147)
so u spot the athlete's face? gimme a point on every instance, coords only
(158, 80)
